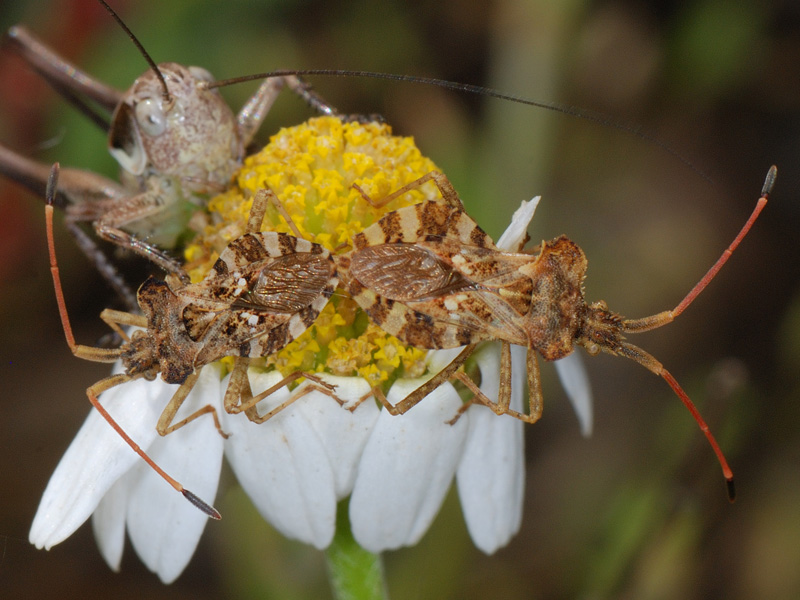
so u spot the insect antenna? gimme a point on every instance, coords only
(103, 355)
(565, 109)
(648, 323)
(663, 318)
(649, 362)
(137, 43)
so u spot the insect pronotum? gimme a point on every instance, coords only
(430, 276)
(264, 290)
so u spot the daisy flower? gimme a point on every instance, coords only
(300, 464)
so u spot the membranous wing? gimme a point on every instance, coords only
(289, 283)
(264, 291)
(430, 276)
(405, 272)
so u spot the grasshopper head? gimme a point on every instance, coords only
(190, 134)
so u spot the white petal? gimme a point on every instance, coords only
(342, 433)
(439, 359)
(491, 475)
(164, 527)
(573, 377)
(108, 521)
(96, 458)
(406, 469)
(514, 235)
(284, 467)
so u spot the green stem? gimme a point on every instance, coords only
(355, 574)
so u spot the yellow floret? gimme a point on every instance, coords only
(312, 168)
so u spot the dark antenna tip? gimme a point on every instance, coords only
(731, 490)
(150, 61)
(52, 184)
(206, 508)
(769, 181)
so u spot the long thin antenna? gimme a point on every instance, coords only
(766, 190)
(663, 318)
(150, 61)
(726, 470)
(573, 111)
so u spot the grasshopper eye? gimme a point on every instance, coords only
(150, 117)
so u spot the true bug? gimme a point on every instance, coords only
(264, 290)
(430, 276)
(176, 140)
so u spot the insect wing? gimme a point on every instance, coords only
(264, 291)
(290, 283)
(385, 250)
(417, 273)
(405, 272)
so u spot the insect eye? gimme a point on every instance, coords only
(150, 117)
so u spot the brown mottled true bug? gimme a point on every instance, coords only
(265, 289)
(430, 276)
(176, 140)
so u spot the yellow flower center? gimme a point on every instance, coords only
(312, 168)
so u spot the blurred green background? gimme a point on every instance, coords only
(636, 511)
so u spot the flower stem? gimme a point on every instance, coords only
(355, 574)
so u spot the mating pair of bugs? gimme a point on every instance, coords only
(426, 273)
